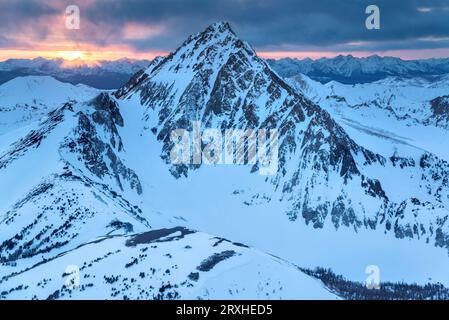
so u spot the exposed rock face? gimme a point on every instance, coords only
(69, 202)
(96, 141)
(135, 80)
(86, 193)
(440, 110)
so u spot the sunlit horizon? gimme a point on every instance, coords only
(73, 55)
(75, 58)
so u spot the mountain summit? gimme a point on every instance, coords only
(324, 178)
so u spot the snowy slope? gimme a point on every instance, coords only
(399, 112)
(69, 183)
(25, 100)
(171, 263)
(75, 208)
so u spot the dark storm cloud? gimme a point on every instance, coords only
(274, 23)
(266, 24)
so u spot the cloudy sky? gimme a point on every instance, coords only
(111, 29)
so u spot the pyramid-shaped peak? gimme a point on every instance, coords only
(207, 50)
(217, 34)
(216, 31)
(218, 40)
(220, 27)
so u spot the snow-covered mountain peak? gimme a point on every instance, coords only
(212, 33)
(220, 28)
(212, 47)
(324, 176)
(215, 53)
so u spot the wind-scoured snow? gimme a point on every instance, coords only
(25, 100)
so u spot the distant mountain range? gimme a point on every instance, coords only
(114, 74)
(351, 70)
(101, 75)
(344, 69)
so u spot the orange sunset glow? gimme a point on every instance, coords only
(87, 55)
(47, 36)
(90, 56)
